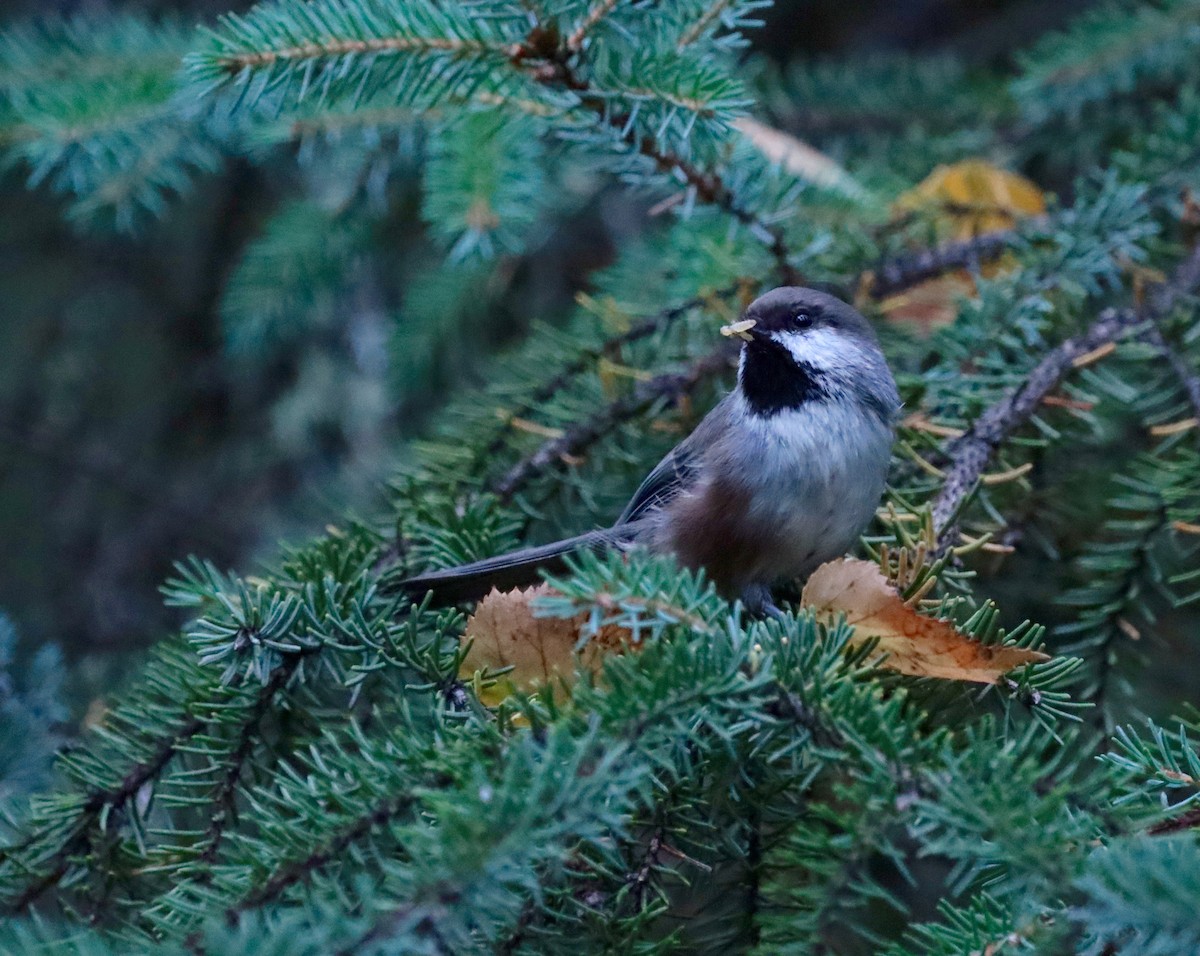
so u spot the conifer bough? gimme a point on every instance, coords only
(304, 768)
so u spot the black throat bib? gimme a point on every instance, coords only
(773, 382)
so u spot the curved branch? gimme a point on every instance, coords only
(909, 269)
(971, 453)
(227, 793)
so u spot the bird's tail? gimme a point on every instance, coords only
(469, 582)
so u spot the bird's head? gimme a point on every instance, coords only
(804, 345)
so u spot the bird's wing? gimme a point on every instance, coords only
(678, 469)
(674, 472)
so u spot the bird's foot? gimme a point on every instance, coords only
(757, 600)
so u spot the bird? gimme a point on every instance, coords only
(783, 475)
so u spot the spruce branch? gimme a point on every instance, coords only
(387, 926)
(512, 943)
(554, 65)
(599, 10)
(285, 37)
(1162, 299)
(971, 453)
(639, 879)
(754, 876)
(582, 435)
(225, 799)
(1189, 378)
(1188, 820)
(1113, 622)
(334, 47)
(96, 803)
(702, 23)
(299, 870)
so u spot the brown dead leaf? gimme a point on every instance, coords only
(932, 303)
(504, 632)
(914, 643)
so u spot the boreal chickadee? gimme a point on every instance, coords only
(781, 476)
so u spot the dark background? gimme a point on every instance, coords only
(129, 437)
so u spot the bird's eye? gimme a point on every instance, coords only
(802, 320)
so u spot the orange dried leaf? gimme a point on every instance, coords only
(914, 643)
(504, 632)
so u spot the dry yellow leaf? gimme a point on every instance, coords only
(963, 200)
(914, 643)
(973, 196)
(504, 632)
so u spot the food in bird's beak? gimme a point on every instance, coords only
(741, 329)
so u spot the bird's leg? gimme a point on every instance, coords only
(757, 599)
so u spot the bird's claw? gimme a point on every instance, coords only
(757, 600)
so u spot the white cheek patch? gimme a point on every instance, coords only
(821, 348)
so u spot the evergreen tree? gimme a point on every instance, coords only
(305, 768)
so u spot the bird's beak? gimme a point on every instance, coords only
(740, 329)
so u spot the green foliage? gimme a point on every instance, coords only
(1164, 767)
(89, 107)
(305, 766)
(1139, 897)
(421, 52)
(1110, 52)
(1099, 78)
(291, 278)
(484, 185)
(888, 117)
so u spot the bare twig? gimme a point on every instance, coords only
(582, 435)
(910, 269)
